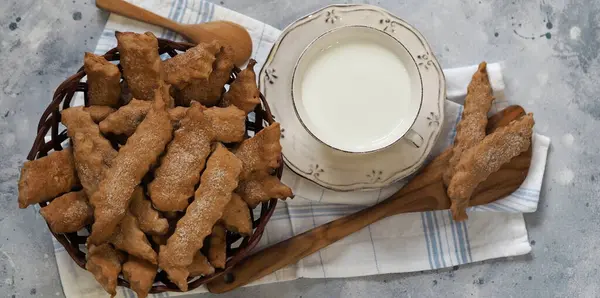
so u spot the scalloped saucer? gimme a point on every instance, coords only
(309, 156)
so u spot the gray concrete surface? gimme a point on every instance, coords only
(550, 50)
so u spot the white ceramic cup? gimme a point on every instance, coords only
(358, 90)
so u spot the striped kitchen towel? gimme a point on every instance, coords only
(405, 243)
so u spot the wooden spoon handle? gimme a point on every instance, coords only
(131, 11)
(296, 248)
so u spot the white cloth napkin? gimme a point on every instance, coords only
(404, 243)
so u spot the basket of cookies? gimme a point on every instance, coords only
(168, 174)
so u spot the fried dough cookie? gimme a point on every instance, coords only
(194, 64)
(68, 213)
(218, 247)
(208, 91)
(243, 92)
(151, 221)
(471, 128)
(45, 178)
(126, 119)
(485, 158)
(129, 167)
(217, 184)
(262, 188)
(236, 216)
(131, 239)
(140, 275)
(186, 155)
(141, 63)
(104, 262)
(93, 153)
(260, 153)
(103, 80)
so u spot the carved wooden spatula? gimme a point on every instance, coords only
(425, 192)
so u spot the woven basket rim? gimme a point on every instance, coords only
(49, 122)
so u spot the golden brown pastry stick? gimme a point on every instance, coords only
(216, 186)
(126, 119)
(129, 167)
(141, 63)
(485, 158)
(103, 80)
(208, 91)
(196, 63)
(150, 220)
(261, 188)
(236, 216)
(243, 92)
(218, 247)
(200, 266)
(104, 262)
(68, 213)
(260, 153)
(45, 178)
(99, 113)
(180, 168)
(93, 153)
(131, 239)
(140, 275)
(471, 128)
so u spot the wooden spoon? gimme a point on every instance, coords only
(425, 192)
(227, 33)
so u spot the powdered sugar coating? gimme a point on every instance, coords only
(126, 119)
(68, 213)
(129, 167)
(485, 158)
(45, 178)
(180, 168)
(92, 152)
(216, 186)
(471, 128)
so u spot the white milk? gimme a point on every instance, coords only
(356, 94)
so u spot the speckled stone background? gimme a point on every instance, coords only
(550, 51)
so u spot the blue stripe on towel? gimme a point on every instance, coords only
(454, 238)
(423, 223)
(461, 241)
(434, 242)
(439, 238)
(468, 243)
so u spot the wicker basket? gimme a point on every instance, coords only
(74, 243)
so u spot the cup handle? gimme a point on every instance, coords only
(414, 138)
